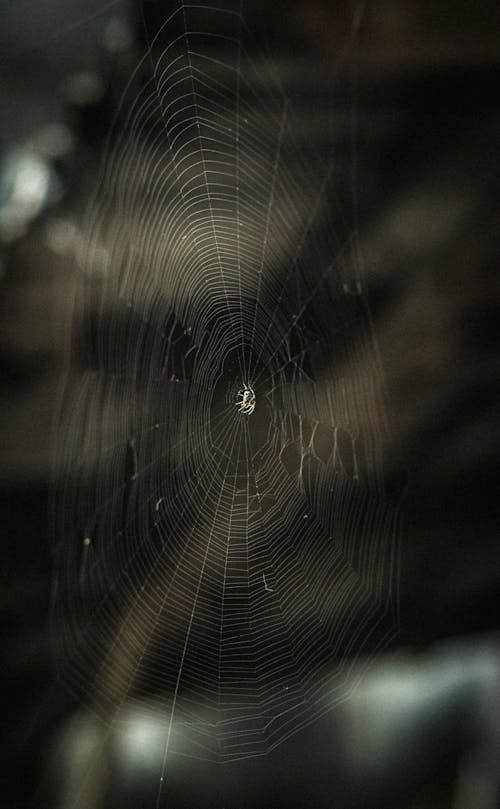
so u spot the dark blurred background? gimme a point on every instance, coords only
(422, 729)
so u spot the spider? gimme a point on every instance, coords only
(246, 401)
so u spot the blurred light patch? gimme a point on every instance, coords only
(54, 141)
(84, 87)
(141, 739)
(61, 236)
(117, 35)
(27, 185)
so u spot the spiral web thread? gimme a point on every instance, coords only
(235, 566)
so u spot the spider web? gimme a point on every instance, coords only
(235, 565)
